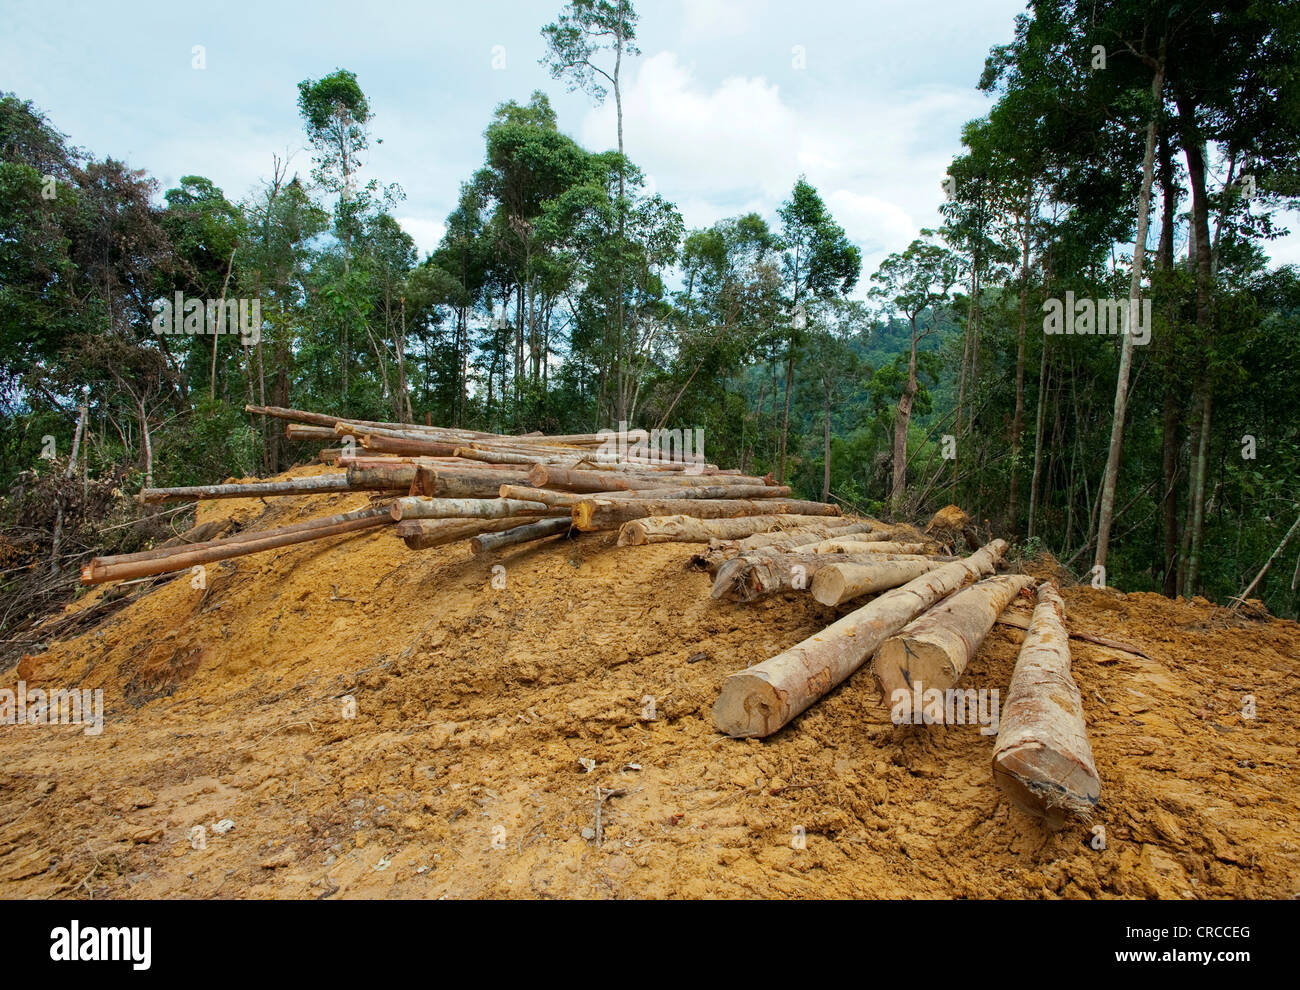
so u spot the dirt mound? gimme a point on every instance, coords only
(377, 722)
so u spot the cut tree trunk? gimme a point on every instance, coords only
(1042, 759)
(520, 534)
(127, 566)
(836, 583)
(573, 480)
(758, 701)
(592, 514)
(425, 534)
(294, 486)
(759, 572)
(467, 508)
(934, 650)
(689, 529)
(848, 545)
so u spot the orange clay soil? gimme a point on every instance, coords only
(462, 773)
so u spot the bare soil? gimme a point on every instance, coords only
(462, 772)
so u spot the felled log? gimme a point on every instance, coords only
(935, 649)
(520, 534)
(467, 508)
(593, 514)
(448, 482)
(297, 431)
(574, 480)
(1042, 759)
(765, 572)
(690, 529)
(425, 534)
(133, 565)
(389, 445)
(323, 419)
(258, 489)
(846, 545)
(704, 491)
(758, 701)
(720, 550)
(838, 582)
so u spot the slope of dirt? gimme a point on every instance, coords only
(462, 771)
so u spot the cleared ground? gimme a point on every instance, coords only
(461, 773)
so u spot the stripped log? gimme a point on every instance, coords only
(574, 480)
(425, 534)
(389, 445)
(566, 500)
(703, 492)
(593, 514)
(1042, 759)
(467, 508)
(294, 486)
(520, 534)
(148, 562)
(297, 431)
(758, 701)
(690, 529)
(720, 550)
(448, 482)
(846, 545)
(934, 650)
(323, 419)
(839, 582)
(765, 572)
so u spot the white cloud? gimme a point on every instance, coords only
(739, 144)
(425, 232)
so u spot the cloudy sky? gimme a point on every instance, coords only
(728, 103)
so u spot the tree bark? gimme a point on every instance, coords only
(934, 650)
(1109, 482)
(1042, 759)
(467, 508)
(592, 514)
(837, 582)
(520, 534)
(149, 562)
(759, 701)
(690, 529)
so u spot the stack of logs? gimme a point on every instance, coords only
(930, 612)
(923, 631)
(436, 486)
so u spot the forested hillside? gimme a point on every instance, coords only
(1137, 151)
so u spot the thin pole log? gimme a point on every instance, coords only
(1042, 759)
(759, 701)
(294, 486)
(1269, 563)
(425, 534)
(150, 562)
(570, 479)
(520, 534)
(934, 650)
